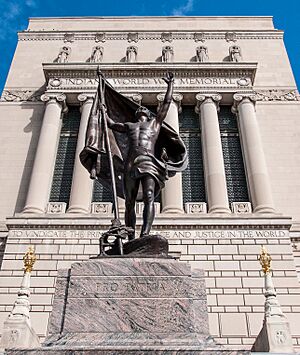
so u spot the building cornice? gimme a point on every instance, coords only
(87, 70)
(195, 36)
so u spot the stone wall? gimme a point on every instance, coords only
(227, 251)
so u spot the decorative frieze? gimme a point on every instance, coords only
(133, 37)
(103, 208)
(199, 37)
(166, 37)
(272, 95)
(100, 37)
(143, 35)
(69, 37)
(195, 207)
(56, 207)
(20, 95)
(230, 36)
(277, 95)
(241, 207)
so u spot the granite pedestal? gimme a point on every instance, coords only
(117, 305)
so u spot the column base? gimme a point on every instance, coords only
(264, 209)
(219, 209)
(78, 209)
(172, 209)
(32, 209)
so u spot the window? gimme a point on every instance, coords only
(63, 171)
(101, 193)
(193, 177)
(233, 158)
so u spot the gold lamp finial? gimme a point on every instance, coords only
(29, 259)
(265, 260)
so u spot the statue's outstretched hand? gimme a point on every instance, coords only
(169, 78)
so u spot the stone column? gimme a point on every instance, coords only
(82, 185)
(171, 195)
(256, 169)
(214, 172)
(43, 167)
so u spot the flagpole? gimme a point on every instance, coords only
(108, 147)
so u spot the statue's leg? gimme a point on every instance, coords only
(131, 187)
(148, 183)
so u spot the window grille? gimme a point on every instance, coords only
(233, 158)
(101, 193)
(193, 177)
(63, 171)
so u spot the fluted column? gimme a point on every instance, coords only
(43, 167)
(82, 185)
(171, 195)
(256, 168)
(214, 172)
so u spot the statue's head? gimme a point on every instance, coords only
(235, 49)
(143, 114)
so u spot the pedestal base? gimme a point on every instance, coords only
(143, 350)
(130, 306)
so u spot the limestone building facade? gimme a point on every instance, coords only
(237, 107)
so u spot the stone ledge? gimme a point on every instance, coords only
(126, 351)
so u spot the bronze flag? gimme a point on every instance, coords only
(121, 109)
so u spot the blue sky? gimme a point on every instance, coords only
(15, 13)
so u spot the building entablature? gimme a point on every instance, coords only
(198, 36)
(190, 78)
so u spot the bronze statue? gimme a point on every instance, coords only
(139, 148)
(141, 166)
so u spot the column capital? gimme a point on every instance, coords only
(240, 97)
(84, 97)
(135, 97)
(203, 97)
(177, 98)
(57, 98)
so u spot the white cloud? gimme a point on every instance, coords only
(183, 9)
(31, 3)
(14, 16)
(12, 11)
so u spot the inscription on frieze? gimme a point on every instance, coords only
(167, 233)
(151, 82)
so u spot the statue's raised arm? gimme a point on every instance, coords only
(161, 115)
